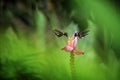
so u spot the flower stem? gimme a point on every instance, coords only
(72, 63)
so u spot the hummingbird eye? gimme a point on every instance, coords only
(75, 34)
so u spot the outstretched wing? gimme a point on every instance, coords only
(83, 33)
(58, 33)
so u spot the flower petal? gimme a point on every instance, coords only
(78, 52)
(75, 42)
(67, 48)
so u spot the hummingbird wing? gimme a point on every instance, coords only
(83, 33)
(59, 33)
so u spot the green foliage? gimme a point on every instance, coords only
(32, 59)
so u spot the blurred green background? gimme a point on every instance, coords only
(29, 50)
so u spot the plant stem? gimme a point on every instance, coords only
(72, 63)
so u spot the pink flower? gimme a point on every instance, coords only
(71, 47)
